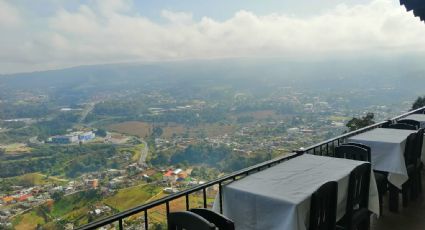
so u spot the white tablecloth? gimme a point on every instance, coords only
(279, 197)
(387, 151)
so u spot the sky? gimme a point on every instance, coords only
(53, 34)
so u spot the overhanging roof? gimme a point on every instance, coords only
(417, 6)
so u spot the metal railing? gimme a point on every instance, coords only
(324, 148)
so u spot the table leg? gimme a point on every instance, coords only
(393, 198)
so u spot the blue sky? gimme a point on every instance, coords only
(49, 34)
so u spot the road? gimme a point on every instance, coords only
(144, 154)
(86, 111)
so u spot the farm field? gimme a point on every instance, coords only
(37, 179)
(136, 128)
(131, 197)
(143, 129)
(29, 220)
(16, 148)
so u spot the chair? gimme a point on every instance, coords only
(417, 124)
(411, 159)
(220, 221)
(188, 221)
(352, 152)
(357, 215)
(323, 207)
(380, 177)
(402, 126)
(414, 164)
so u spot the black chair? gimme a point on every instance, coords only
(417, 124)
(323, 207)
(402, 126)
(410, 158)
(352, 152)
(419, 164)
(380, 177)
(357, 215)
(220, 221)
(188, 221)
(414, 164)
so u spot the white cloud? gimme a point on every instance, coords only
(109, 31)
(9, 16)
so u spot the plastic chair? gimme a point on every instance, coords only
(220, 221)
(323, 207)
(188, 221)
(380, 177)
(352, 152)
(357, 215)
(402, 126)
(417, 124)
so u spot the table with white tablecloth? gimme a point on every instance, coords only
(279, 197)
(387, 152)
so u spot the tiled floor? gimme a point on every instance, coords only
(409, 218)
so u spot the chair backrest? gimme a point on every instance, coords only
(368, 149)
(358, 189)
(323, 207)
(419, 143)
(402, 126)
(417, 124)
(220, 221)
(411, 151)
(352, 152)
(188, 221)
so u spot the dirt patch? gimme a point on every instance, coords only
(136, 128)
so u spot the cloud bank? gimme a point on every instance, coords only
(110, 31)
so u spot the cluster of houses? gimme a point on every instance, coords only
(73, 137)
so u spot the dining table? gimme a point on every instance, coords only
(279, 197)
(387, 152)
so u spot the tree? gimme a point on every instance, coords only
(420, 102)
(358, 123)
(101, 133)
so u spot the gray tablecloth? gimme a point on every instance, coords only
(417, 117)
(387, 151)
(279, 197)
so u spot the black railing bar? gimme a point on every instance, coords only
(146, 219)
(220, 197)
(187, 202)
(120, 224)
(204, 194)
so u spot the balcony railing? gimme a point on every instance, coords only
(324, 148)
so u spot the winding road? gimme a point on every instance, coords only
(144, 154)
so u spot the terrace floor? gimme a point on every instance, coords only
(409, 218)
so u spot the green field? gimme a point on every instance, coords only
(27, 221)
(131, 197)
(40, 179)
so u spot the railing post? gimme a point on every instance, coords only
(204, 193)
(220, 197)
(146, 219)
(187, 202)
(120, 226)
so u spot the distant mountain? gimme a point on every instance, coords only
(406, 75)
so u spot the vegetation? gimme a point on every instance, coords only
(420, 102)
(358, 123)
(70, 161)
(131, 197)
